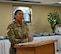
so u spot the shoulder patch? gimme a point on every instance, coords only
(8, 30)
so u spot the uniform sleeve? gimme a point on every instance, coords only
(26, 30)
(11, 36)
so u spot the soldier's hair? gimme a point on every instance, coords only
(16, 12)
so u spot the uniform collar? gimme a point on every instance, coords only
(17, 24)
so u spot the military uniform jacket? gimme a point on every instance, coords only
(17, 34)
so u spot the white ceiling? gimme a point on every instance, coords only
(45, 0)
(36, 0)
(40, 2)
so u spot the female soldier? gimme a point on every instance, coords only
(17, 31)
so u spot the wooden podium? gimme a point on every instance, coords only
(44, 47)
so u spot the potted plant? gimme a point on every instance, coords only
(54, 19)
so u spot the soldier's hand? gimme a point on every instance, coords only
(25, 35)
(30, 39)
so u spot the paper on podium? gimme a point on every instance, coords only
(33, 42)
(36, 40)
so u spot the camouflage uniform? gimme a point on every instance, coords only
(15, 34)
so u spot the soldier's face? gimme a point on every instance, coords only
(19, 16)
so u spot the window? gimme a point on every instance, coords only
(27, 12)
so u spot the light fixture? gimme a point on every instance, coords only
(59, 2)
